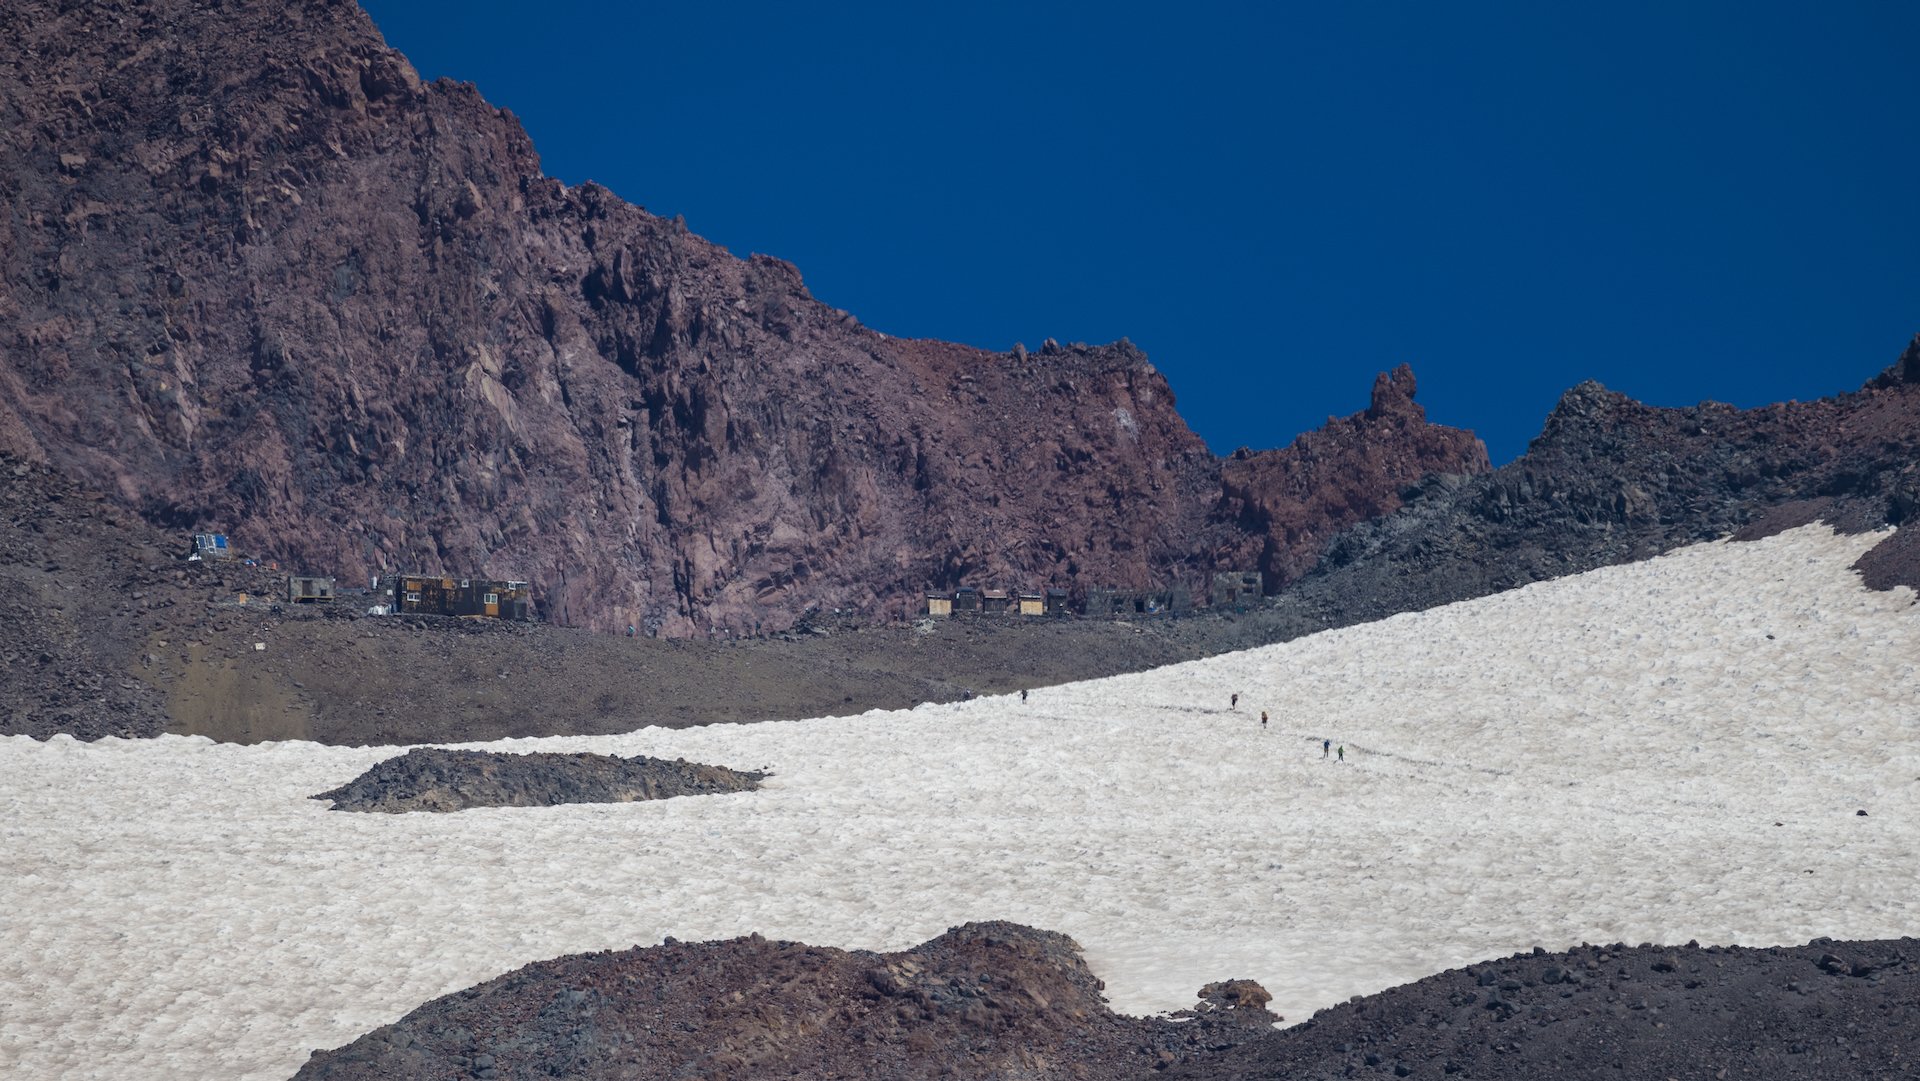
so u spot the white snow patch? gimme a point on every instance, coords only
(1600, 758)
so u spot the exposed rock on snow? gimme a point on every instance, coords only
(440, 779)
(1241, 1001)
(1893, 562)
(1828, 1011)
(987, 1000)
(998, 1000)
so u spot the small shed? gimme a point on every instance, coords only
(966, 599)
(1237, 589)
(939, 604)
(308, 589)
(1032, 604)
(210, 546)
(1056, 602)
(995, 601)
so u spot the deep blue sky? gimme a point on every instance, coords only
(1684, 201)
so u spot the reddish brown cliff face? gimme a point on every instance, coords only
(1283, 506)
(254, 275)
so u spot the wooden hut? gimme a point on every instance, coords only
(443, 596)
(308, 589)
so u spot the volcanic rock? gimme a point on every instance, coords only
(1242, 1001)
(985, 1000)
(71, 565)
(260, 278)
(1610, 480)
(1640, 1014)
(1288, 504)
(114, 634)
(439, 779)
(997, 1000)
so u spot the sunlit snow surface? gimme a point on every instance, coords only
(1623, 755)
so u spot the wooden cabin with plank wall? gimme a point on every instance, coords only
(436, 595)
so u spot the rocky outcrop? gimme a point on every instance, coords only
(997, 1000)
(1610, 480)
(986, 1000)
(1286, 505)
(1905, 371)
(1827, 1011)
(257, 276)
(440, 779)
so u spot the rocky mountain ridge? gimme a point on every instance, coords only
(1612, 480)
(1288, 503)
(115, 636)
(260, 277)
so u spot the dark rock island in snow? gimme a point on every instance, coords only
(438, 779)
(998, 1000)
(984, 1000)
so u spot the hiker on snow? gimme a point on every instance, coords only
(1234, 703)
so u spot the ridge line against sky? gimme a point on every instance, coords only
(1683, 202)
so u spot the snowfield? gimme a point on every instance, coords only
(1666, 751)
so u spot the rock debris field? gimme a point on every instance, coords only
(1670, 750)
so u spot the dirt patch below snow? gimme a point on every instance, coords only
(1894, 561)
